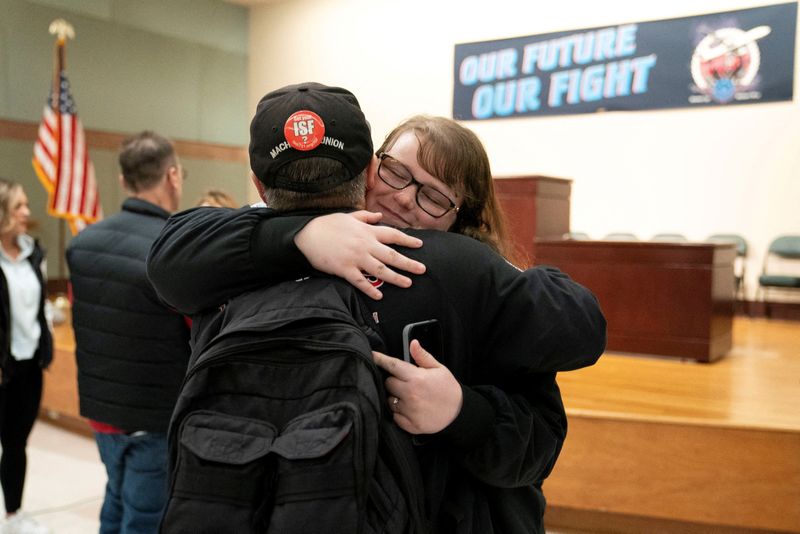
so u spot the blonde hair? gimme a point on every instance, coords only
(455, 155)
(218, 199)
(8, 191)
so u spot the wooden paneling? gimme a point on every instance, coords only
(21, 131)
(671, 299)
(27, 131)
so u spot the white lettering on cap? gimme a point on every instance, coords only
(278, 149)
(335, 143)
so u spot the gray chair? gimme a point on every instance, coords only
(669, 238)
(785, 249)
(577, 236)
(621, 236)
(736, 239)
(741, 258)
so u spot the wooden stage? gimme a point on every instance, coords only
(654, 445)
(658, 445)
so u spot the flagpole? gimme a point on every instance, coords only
(62, 249)
(60, 156)
(63, 30)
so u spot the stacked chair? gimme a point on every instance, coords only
(621, 236)
(669, 238)
(741, 258)
(778, 271)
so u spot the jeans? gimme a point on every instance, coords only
(137, 482)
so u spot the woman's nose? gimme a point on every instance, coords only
(406, 197)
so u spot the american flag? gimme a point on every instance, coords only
(62, 162)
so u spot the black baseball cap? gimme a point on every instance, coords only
(308, 119)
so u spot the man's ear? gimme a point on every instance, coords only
(259, 185)
(124, 185)
(372, 172)
(174, 176)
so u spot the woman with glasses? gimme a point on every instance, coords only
(445, 167)
(432, 174)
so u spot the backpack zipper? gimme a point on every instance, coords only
(210, 359)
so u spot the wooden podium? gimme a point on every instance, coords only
(60, 392)
(536, 207)
(669, 299)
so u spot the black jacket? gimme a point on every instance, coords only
(506, 334)
(132, 350)
(44, 354)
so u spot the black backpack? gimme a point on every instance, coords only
(282, 425)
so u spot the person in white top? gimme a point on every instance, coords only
(26, 348)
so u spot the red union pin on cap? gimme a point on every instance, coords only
(304, 130)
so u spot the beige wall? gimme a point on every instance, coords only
(695, 172)
(178, 67)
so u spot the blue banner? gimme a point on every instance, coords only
(735, 57)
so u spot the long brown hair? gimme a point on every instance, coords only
(455, 155)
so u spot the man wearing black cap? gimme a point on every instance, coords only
(286, 135)
(496, 423)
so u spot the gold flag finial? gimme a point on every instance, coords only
(62, 29)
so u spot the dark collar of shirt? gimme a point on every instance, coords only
(143, 207)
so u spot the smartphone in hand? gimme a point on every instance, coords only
(429, 335)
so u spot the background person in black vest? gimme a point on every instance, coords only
(132, 351)
(495, 423)
(25, 349)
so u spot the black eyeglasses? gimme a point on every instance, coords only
(397, 176)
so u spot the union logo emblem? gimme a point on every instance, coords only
(726, 61)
